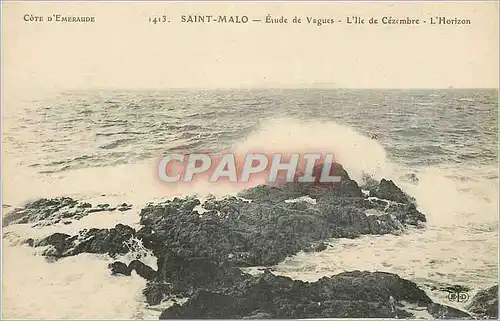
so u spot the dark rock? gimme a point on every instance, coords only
(59, 243)
(266, 230)
(150, 240)
(372, 286)
(412, 178)
(347, 187)
(85, 205)
(455, 288)
(111, 241)
(283, 191)
(485, 303)
(320, 247)
(96, 209)
(368, 183)
(207, 305)
(124, 207)
(185, 276)
(347, 295)
(406, 213)
(439, 311)
(156, 292)
(30, 242)
(142, 269)
(49, 211)
(386, 189)
(42, 209)
(119, 268)
(266, 193)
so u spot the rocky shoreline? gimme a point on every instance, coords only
(201, 246)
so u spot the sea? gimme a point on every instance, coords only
(103, 146)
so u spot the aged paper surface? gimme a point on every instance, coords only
(262, 160)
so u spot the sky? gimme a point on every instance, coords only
(123, 50)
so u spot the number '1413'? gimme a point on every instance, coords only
(155, 20)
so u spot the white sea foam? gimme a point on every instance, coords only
(418, 312)
(74, 287)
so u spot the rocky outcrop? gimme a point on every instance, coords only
(112, 241)
(485, 303)
(412, 178)
(387, 190)
(449, 288)
(347, 295)
(178, 276)
(347, 187)
(246, 233)
(48, 211)
(259, 227)
(200, 247)
(439, 311)
(140, 268)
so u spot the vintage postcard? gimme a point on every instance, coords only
(250, 160)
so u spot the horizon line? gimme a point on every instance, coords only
(278, 87)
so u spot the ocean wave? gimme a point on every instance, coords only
(116, 143)
(186, 147)
(425, 150)
(58, 170)
(395, 119)
(119, 133)
(462, 130)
